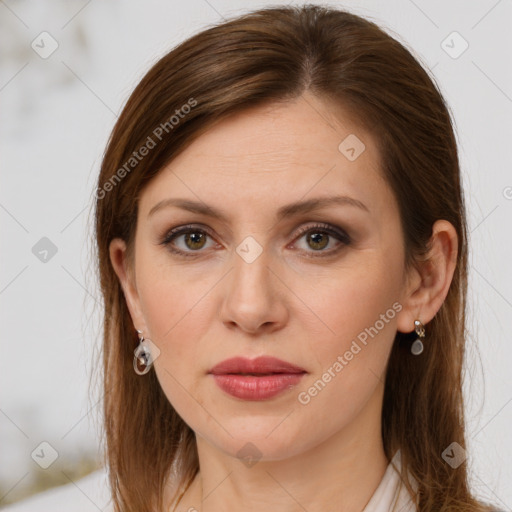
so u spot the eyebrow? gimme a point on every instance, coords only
(285, 211)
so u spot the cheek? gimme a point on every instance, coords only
(175, 308)
(168, 294)
(173, 318)
(361, 311)
(358, 310)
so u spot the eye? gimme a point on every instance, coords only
(194, 240)
(318, 237)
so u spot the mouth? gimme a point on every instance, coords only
(259, 379)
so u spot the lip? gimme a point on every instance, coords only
(260, 365)
(269, 377)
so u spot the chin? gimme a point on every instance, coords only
(256, 439)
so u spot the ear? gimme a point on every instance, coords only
(126, 274)
(428, 285)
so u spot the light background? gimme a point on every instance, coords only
(56, 116)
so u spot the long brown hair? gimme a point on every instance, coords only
(275, 55)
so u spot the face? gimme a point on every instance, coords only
(319, 288)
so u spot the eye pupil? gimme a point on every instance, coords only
(316, 239)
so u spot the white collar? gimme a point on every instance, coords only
(391, 494)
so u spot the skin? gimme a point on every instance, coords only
(306, 310)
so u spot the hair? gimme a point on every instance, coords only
(269, 56)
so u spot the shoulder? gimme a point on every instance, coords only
(87, 494)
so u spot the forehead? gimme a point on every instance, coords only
(274, 155)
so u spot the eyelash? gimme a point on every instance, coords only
(317, 228)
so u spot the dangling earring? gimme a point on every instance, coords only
(417, 346)
(142, 356)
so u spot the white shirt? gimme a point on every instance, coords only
(91, 493)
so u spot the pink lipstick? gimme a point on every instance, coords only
(256, 379)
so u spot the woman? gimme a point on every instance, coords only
(225, 245)
(263, 262)
(282, 251)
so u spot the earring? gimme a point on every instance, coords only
(142, 356)
(417, 346)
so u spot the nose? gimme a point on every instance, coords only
(254, 296)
